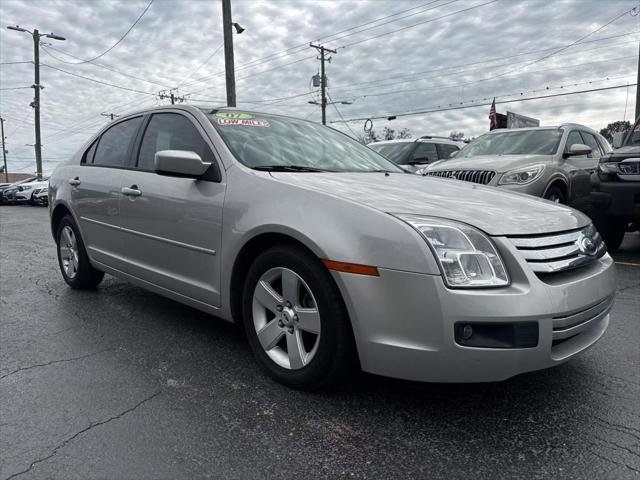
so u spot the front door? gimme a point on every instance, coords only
(173, 226)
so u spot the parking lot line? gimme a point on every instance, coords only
(628, 264)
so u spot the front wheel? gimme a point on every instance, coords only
(296, 322)
(74, 263)
(555, 194)
(612, 232)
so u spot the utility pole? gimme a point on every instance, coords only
(36, 86)
(170, 96)
(638, 86)
(4, 150)
(323, 78)
(229, 66)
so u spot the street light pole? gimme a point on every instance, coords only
(36, 86)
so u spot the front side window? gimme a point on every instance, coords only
(425, 152)
(114, 144)
(573, 138)
(590, 140)
(445, 150)
(171, 131)
(521, 142)
(271, 142)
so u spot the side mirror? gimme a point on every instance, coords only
(180, 163)
(454, 153)
(618, 138)
(578, 149)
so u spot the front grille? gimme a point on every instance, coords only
(566, 327)
(560, 251)
(476, 176)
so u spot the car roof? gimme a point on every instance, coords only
(547, 127)
(423, 139)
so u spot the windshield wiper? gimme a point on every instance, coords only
(289, 168)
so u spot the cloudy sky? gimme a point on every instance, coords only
(402, 56)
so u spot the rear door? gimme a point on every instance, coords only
(173, 227)
(95, 191)
(445, 150)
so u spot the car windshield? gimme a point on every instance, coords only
(523, 142)
(396, 152)
(270, 142)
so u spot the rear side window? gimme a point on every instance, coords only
(88, 155)
(444, 150)
(113, 147)
(171, 131)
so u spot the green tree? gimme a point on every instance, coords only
(404, 133)
(619, 126)
(458, 136)
(388, 133)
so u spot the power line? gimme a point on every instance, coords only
(14, 63)
(340, 114)
(461, 107)
(573, 43)
(14, 88)
(101, 65)
(96, 81)
(201, 65)
(121, 38)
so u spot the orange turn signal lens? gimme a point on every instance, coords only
(351, 268)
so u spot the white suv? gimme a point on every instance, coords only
(414, 154)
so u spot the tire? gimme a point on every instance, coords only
(32, 201)
(555, 194)
(73, 261)
(320, 359)
(612, 232)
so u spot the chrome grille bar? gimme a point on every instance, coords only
(475, 176)
(560, 251)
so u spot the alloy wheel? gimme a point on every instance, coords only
(68, 246)
(286, 318)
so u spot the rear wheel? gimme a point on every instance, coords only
(74, 263)
(555, 194)
(295, 319)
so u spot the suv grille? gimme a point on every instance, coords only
(476, 176)
(561, 251)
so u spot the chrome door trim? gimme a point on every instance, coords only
(152, 237)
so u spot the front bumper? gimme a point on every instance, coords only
(404, 322)
(617, 198)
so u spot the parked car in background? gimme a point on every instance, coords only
(40, 196)
(7, 194)
(414, 154)
(24, 192)
(328, 254)
(616, 188)
(554, 163)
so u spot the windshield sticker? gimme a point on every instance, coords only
(234, 115)
(256, 122)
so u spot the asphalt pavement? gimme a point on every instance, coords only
(120, 383)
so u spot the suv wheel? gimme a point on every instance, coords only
(555, 194)
(74, 263)
(295, 319)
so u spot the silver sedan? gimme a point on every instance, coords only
(330, 256)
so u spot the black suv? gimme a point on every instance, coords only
(616, 188)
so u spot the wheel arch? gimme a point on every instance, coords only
(249, 252)
(559, 182)
(57, 214)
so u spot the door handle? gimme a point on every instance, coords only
(74, 182)
(131, 191)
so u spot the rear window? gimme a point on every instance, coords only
(113, 147)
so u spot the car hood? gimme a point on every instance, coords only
(495, 211)
(497, 163)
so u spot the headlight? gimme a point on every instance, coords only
(24, 188)
(521, 176)
(466, 256)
